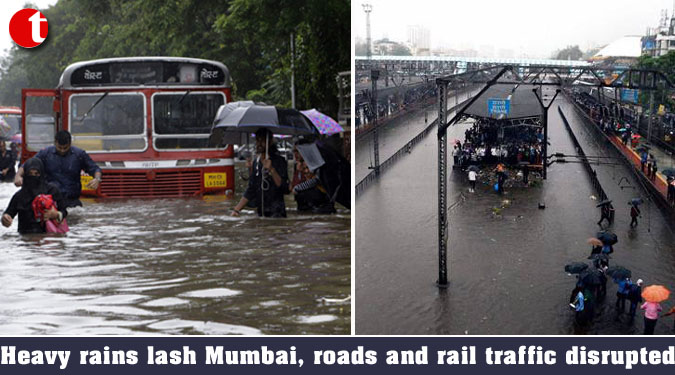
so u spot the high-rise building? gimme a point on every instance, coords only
(661, 39)
(418, 40)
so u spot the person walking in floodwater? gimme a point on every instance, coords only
(21, 203)
(7, 161)
(501, 178)
(635, 297)
(652, 310)
(269, 181)
(62, 166)
(634, 213)
(472, 180)
(622, 294)
(604, 214)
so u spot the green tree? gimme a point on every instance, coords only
(568, 53)
(663, 95)
(252, 37)
(400, 50)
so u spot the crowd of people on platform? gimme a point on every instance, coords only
(620, 125)
(487, 142)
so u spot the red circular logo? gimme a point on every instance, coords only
(28, 28)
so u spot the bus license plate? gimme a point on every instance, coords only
(84, 180)
(214, 180)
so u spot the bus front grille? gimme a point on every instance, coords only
(151, 184)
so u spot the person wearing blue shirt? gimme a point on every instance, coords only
(63, 164)
(622, 293)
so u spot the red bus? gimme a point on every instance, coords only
(145, 121)
(12, 117)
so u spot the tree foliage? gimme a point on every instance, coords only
(568, 53)
(251, 37)
(666, 65)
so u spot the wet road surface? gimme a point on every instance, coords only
(177, 266)
(505, 271)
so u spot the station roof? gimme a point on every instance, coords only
(627, 46)
(524, 103)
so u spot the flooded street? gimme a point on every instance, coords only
(177, 266)
(506, 270)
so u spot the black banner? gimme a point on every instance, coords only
(335, 355)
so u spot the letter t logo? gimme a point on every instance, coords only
(35, 20)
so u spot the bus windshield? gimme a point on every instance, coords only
(182, 120)
(113, 122)
(14, 122)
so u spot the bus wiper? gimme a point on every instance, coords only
(93, 106)
(183, 97)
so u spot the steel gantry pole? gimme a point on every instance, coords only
(544, 120)
(442, 186)
(443, 125)
(374, 76)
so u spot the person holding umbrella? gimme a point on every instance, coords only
(577, 303)
(653, 294)
(622, 293)
(635, 297)
(269, 181)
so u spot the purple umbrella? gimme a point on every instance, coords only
(16, 138)
(324, 123)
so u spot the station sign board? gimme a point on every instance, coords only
(629, 95)
(499, 106)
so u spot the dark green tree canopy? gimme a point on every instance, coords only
(251, 37)
(568, 53)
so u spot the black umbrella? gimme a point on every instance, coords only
(333, 170)
(605, 202)
(245, 117)
(238, 118)
(521, 163)
(668, 172)
(608, 238)
(642, 149)
(591, 277)
(618, 272)
(576, 267)
(473, 168)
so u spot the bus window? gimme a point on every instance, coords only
(112, 122)
(40, 122)
(14, 122)
(183, 120)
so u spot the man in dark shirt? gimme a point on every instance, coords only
(63, 164)
(269, 179)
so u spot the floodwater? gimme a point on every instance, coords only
(505, 271)
(177, 266)
(395, 135)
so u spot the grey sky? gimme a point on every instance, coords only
(534, 27)
(9, 7)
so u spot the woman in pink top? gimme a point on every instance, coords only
(652, 310)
